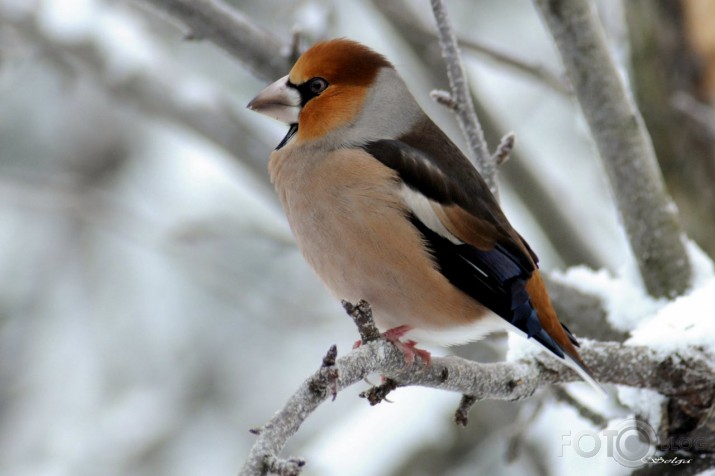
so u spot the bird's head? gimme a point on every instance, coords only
(328, 88)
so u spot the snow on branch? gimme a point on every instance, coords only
(648, 213)
(634, 366)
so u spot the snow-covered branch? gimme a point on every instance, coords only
(611, 363)
(649, 216)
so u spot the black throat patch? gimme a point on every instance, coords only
(291, 132)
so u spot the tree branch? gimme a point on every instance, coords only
(613, 363)
(649, 216)
(462, 99)
(213, 20)
(504, 149)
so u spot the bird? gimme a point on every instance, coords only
(386, 208)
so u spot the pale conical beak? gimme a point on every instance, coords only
(278, 101)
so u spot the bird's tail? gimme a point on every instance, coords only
(569, 354)
(577, 364)
(555, 336)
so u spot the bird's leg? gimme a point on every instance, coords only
(409, 348)
(392, 335)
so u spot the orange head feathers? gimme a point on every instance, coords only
(325, 89)
(341, 62)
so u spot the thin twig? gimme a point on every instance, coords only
(283, 467)
(503, 152)
(379, 393)
(361, 313)
(327, 378)
(444, 98)
(461, 416)
(466, 115)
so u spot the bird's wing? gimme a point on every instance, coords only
(471, 241)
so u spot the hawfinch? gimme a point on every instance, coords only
(386, 208)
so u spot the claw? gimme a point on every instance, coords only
(409, 349)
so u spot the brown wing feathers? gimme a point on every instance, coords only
(463, 203)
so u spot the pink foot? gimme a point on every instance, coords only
(396, 333)
(409, 349)
(393, 335)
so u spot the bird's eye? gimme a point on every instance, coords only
(317, 85)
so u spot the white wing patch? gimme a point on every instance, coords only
(421, 206)
(479, 270)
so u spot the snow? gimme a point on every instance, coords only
(625, 300)
(648, 403)
(687, 322)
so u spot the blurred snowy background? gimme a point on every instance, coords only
(153, 307)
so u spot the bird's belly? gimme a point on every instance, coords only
(352, 229)
(403, 287)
